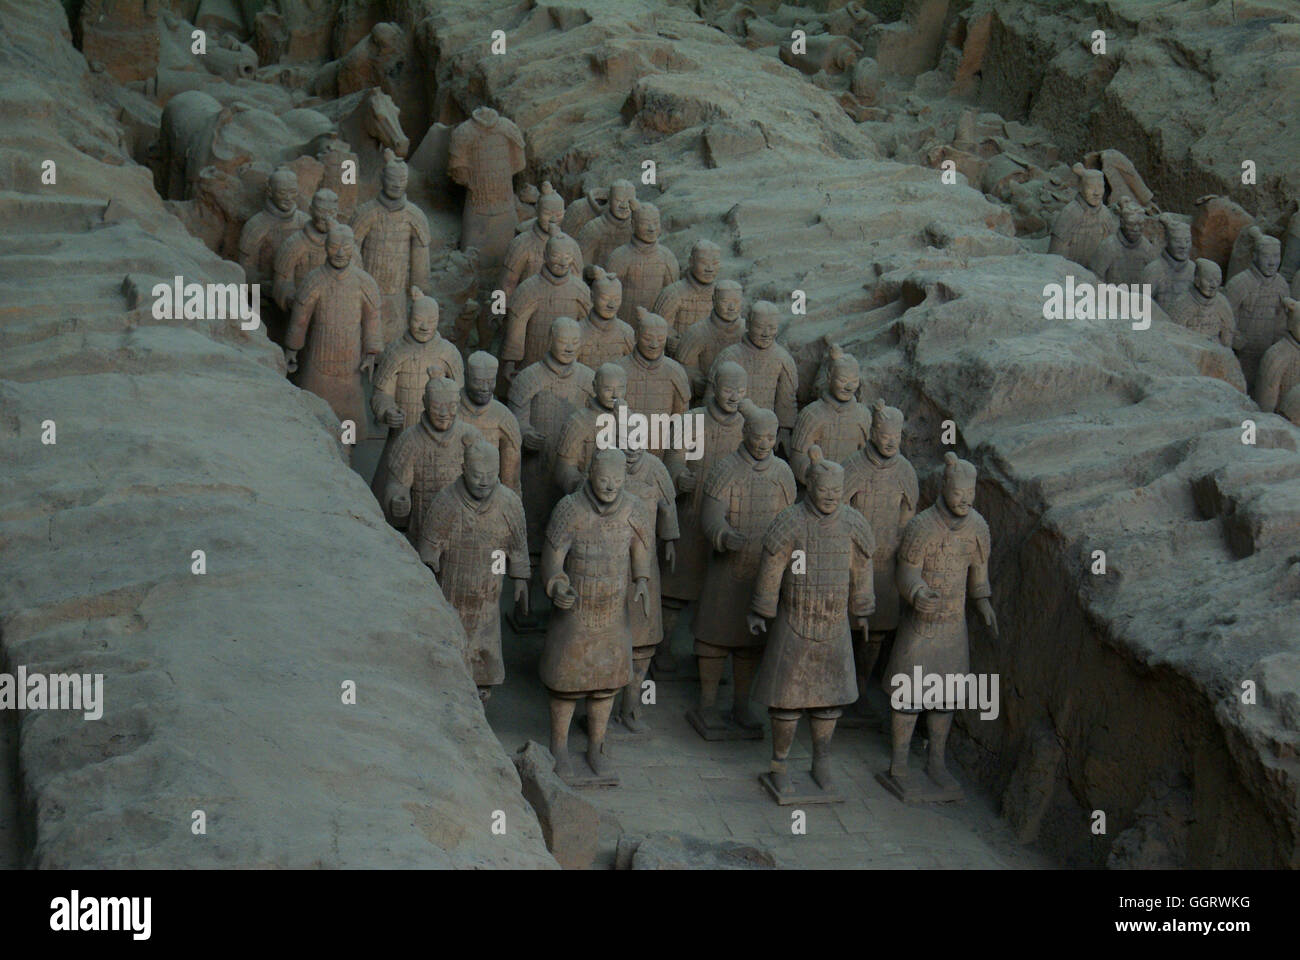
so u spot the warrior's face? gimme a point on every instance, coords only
(620, 202)
(1207, 282)
(1130, 221)
(423, 324)
(339, 252)
(395, 182)
(826, 490)
(606, 298)
(323, 213)
(705, 265)
(843, 382)
(1268, 257)
(1093, 189)
(886, 439)
(442, 414)
(480, 477)
(762, 329)
(610, 390)
(284, 194)
(1179, 245)
(565, 344)
(606, 478)
(728, 391)
(645, 225)
(479, 388)
(651, 340)
(727, 304)
(760, 440)
(959, 495)
(558, 259)
(548, 214)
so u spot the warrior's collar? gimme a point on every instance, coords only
(823, 519)
(1259, 274)
(485, 116)
(1176, 265)
(440, 437)
(390, 204)
(834, 404)
(314, 236)
(728, 325)
(603, 324)
(720, 415)
(1125, 242)
(603, 509)
(616, 221)
(467, 498)
(472, 408)
(700, 285)
(645, 362)
(557, 368)
(753, 462)
(409, 339)
(876, 458)
(272, 210)
(1201, 299)
(947, 517)
(546, 274)
(642, 247)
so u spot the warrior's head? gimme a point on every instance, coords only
(1178, 237)
(1208, 278)
(958, 484)
(441, 398)
(886, 428)
(843, 375)
(761, 426)
(1268, 252)
(1092, 185)
(557, 255)
(730, 383)
(550, 207)
(1130, 218)
(282, 189)
(422, 317)
(607, 474)
(482, 468)
(338, 245)
(606, 293)
(610, 385)
(394, 177)
(1292, 317)
(763, 323)
(651, 334)
(565, 340)
(645, 222)
(706, 261)
(728, 300)
(324, 209)
(825, 481)
(621, 197)
(480, 377)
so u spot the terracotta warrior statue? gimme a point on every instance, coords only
(429, 455)
(465, 526)
(651, 488)
(690, 300)
(814, 576)
(542, 397)
(484, 154)
(723, 429)
(1279, 370)
(701, 344)
(394, 237)
(554, 291)
(942, 563)
(277, 221)
(744, 492)
(577, 443)
(490, 416)
(1085, 222)
(1122, 256)
(880, 484)
(1256, 296)
(613, 228)
(1203, 308)
(527, 251)
(1171, 273)
(836, 422)
(334, 332)
(773, 378)
(304, 251)
(656, 384)
(406, 367)
(643, 264)
(605, 337)
(597, 552)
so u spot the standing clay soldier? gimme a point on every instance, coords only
(1279, 370)
(595, 543)
(1122, 256)
(836, 422)
(808, 662)
(880, 484)
(650, 486)
(605, 337)
(542, 397)
(334, 332)
(1171, 273)
(406, 367)
(429, 455)
(1085, 222)
(485, 153)
(656, 384)
(942, 562)
(304, 251)
(688, 301)
(773, 378)
(276, 222)
(701, 344)
(1203, 308)
(723, 431)
(577, 443)
(466, 524)
(394, 235)
(613, 228)
(1256, 296)
(554, 291)
(490, 416)
(643, 264)
(743, 494)
(527, 251)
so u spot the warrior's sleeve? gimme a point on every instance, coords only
(458, 151)
(786, 477)
(517, 317)
(304, 305)
(714, 506)
(420, 238)
(383, 399)
(620, 262)
(977, 576)
(666, 510)
(641, 549)
(862, 591)
(1227, 325)
(282, 285)
(672, 271)
(855, 476)
(1236, 290)
(1268, 383)
(911, 490)
(401, 474)
(568, 453)
(559, 538)
(520, 399)
(517, 560)
(1064, 222)
(582, 296)
(372, 331)
(778, 547)
(250, 243)
(514, 264)
(910, 556)
(363, 223)
(509, 444)
(805, 435)
(681, 382)
(787, 386)
(675, 458)
(435, 528)
(666, 306)
(456, 364)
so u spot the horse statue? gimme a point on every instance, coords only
(368, 121)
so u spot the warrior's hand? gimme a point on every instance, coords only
(521, 596)
(642, 594)
(926, 601)
(670, 555)
(534, 439)
(756, 623)
(291, 360)
(401, 505)
(686, 482)
(733, 540)
(987, 615)
(565, 596)
(368, 366)
(395, 417)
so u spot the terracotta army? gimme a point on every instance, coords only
(490, 416)
(773, 378)
(605, 337)
(701, 344)
(304, 251)
(334, 333)
(656, 384)
(1289, 405)
(1203, 308)
(1171, 273)
(814, 575)
(1256, 296)
(527, 251)
(596, 543)
(265, 230)
(466, 524)
(650, 486)
(613, 228)
(429, 455)
(485, 153)
(554, 291)
(541, 397)
(836, 422)
(1085, 222)
(1279, 370)
(394, 237)
(688, 301)
(744, 492)
(723, 432)
(942, 563)
(1123, 254)
(643, 264)
(880, 484)
(406, 367)
(577, 443)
